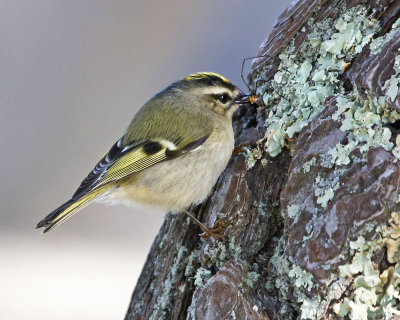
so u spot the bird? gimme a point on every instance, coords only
(171, 154)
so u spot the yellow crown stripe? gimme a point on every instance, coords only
(205, 75)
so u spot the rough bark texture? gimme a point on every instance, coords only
(312, 204)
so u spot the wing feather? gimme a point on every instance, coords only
(122, 161)
(101, 167)
(133, 162)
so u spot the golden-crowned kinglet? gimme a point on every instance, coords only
(172, 153)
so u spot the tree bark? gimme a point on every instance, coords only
(312, 204)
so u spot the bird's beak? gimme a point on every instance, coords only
(242, 99)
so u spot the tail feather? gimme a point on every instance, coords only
(69, 208)
(47, 220)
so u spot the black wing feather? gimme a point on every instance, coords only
(95, 175)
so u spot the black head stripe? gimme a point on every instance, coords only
(213, 81)
(208, 79)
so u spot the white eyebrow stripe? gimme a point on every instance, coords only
(217, 90)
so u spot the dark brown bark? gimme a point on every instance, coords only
(314, 225)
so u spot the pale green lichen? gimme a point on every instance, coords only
(327, 196)
(374, 293)
(293, 211)
(304, 71)
(377, 44)
(250, 278)
(295, 100)
(310, 308)
(201, 276)
(294, 97)
(301, 278)
(163, 240)
(307, 165)
(363, 119)
(234, 249)
(251, 156)
(391, 85)
(138, 307)
(216, 254)
(311, 223)
(289, 272)
(340, 154)
(169, 285)
(190, 269)
(248, 155)
(325, 188)
(261, 208)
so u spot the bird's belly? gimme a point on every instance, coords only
(176, 184)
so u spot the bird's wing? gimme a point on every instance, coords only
(158, 132)
(122, 161)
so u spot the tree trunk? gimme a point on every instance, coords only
(312, 204)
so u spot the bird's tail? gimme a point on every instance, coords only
(69, 208)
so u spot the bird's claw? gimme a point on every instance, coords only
(216, 230)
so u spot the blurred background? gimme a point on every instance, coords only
(72, 74)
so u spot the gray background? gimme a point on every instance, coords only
(72, 74)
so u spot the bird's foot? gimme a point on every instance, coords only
(214, 232)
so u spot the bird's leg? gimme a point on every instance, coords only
(215, 231)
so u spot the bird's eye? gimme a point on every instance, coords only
(223, 98)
